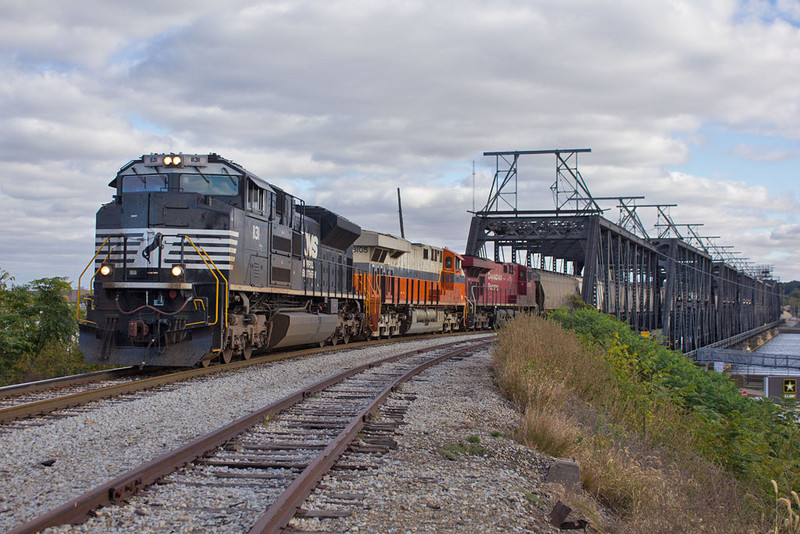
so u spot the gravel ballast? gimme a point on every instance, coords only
(417, 488)
(414, 488)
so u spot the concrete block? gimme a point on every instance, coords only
(565, 472)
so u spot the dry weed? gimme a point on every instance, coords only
(787, 520)
(549, 430)
(573, 409)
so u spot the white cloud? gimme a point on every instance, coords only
(761, 154)
(342, 102)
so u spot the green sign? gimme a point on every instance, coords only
(790, 388)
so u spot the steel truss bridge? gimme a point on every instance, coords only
(692, 290)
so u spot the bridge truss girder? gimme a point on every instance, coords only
(743, 302)
(620, 270)
(687, 314)
(652, 284)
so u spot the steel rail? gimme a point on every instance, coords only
(15, 390)
(76, 399)
(45, 406)
(80, 509)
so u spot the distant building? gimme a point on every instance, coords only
(72, 294)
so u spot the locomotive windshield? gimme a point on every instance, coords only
(205, 184)
(210, 184)
(144, 182)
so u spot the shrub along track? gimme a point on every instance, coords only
(46, 396)
(278, 461)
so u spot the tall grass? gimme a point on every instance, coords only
(666, 446)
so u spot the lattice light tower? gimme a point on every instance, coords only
(569, 186)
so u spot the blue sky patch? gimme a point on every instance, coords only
(718, 152)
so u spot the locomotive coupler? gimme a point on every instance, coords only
(138, 330)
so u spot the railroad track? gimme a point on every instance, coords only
(268, 460)
(31, 388)
(21, 401)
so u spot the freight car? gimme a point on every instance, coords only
(499, 291)
(198, 259)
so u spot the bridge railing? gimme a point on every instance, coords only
(740, 357)
(733, 340)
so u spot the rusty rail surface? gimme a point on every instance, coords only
(80, 509)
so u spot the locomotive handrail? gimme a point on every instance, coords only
(203, 255)
(78, 307)
(108, 256)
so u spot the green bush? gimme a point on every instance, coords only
(753, 440)
(38, 331)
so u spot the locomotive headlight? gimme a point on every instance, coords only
(105, 269)
(173, 160)
(177, 270)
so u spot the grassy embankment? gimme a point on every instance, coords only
(663, 445)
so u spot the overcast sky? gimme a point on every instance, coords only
(341, 102)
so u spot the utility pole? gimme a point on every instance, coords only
(400, 212)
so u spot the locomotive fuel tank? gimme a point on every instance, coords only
(424, 320)
(301, 328)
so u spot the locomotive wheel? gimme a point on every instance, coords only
(346, 339)
(206, 361)
(247, 351)
(227, 354)
(334, 340)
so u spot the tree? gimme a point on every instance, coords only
(13, 338)
(790, 287)
(56, 321)
(34, 317)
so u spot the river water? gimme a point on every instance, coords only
(784, 344)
